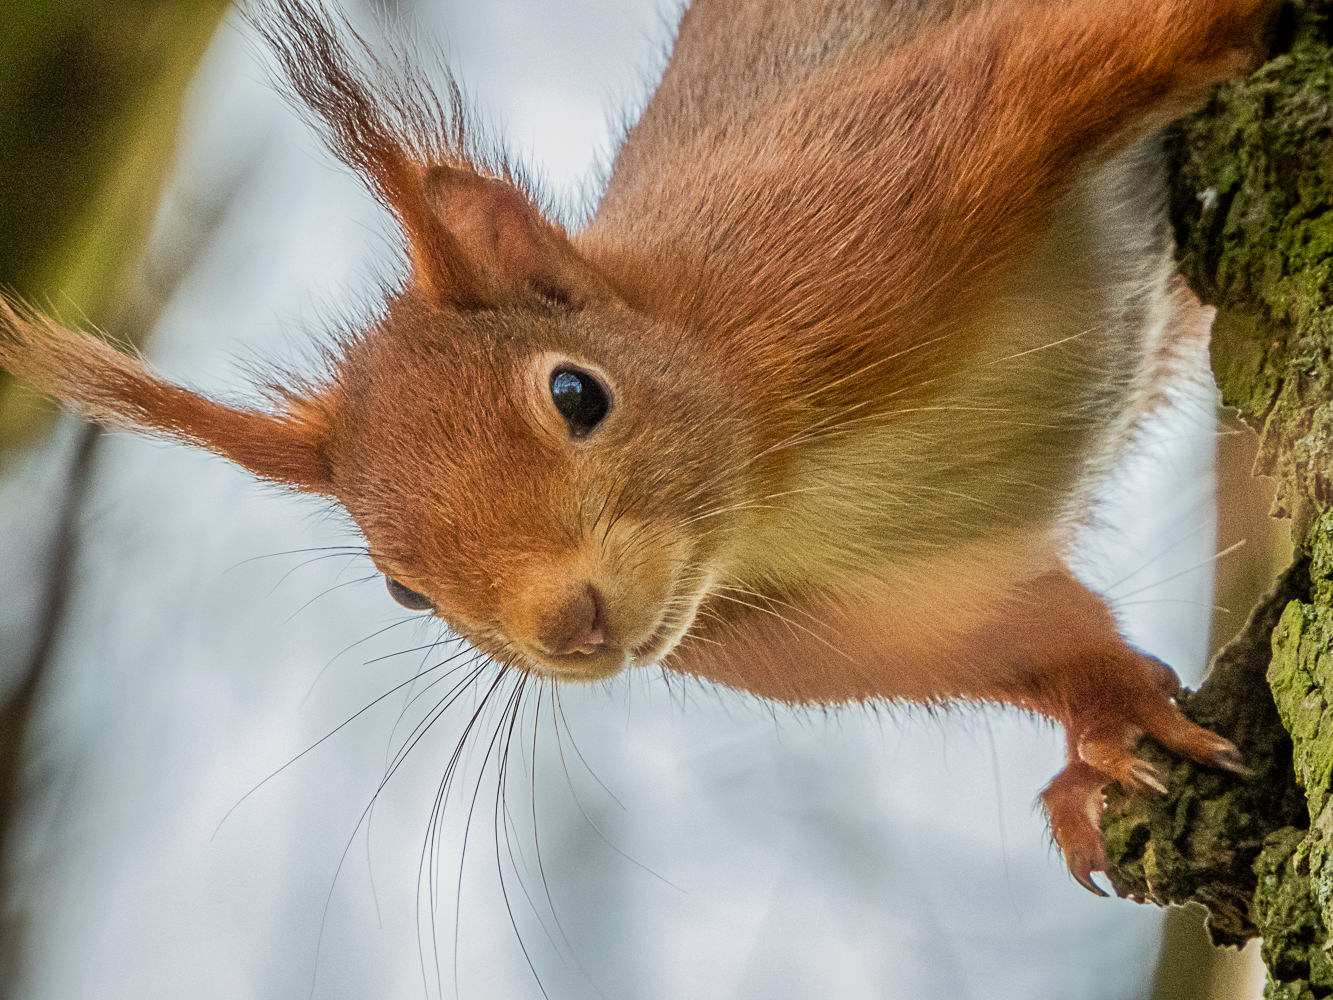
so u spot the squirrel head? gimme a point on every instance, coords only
(555, 478)
(550, 471)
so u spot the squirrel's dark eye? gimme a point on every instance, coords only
(408, 598)
(580, 398)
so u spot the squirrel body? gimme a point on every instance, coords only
(874, 298)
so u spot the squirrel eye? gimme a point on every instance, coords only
(409, 599)
(580, 398)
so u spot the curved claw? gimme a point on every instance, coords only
(1108, 695)
(1074, 803)
(1228, 758)
(1085, 879)
(1148, 776)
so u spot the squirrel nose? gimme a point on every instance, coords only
(576, 624)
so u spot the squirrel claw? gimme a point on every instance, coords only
(1102, 739)
(1148, 776)
(1228, 758)
(1073, 802)
(1085, 879)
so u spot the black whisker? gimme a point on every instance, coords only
(511, 709)
(330, 590)
(595, 828)
(346, 722)
(346, 649)
(430, 857)
(559, 710)
(342, 860)
(343, 549)
(349, 556)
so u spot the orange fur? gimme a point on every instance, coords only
(876, 292)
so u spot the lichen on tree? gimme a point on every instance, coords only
(1252, 205)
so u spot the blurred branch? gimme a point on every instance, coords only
(16, 713)
(90, 104)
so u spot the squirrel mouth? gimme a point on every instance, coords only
(582, 667)
(657, 645)
(585, 667)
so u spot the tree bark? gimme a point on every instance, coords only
(1252, 205)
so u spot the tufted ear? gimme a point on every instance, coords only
(474, 241)
(287, 446)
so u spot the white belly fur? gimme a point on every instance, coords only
(984, 486)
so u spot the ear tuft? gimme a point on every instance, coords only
(475, 238)
(387, 126)
(115, 389)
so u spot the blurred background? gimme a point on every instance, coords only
(173, 635)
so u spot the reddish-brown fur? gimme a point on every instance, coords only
(801, 249)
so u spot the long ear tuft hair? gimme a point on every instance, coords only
(287, 446)
(386, 122)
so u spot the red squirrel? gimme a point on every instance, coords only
(875, 295)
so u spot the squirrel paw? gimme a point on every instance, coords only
(1074, 804)
(1102, 738)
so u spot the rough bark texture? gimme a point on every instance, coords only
(1252, 202)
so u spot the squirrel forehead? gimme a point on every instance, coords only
(463, 353)
(478, 367)
(455, 444)
(445, 382)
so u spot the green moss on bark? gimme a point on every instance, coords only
(1203, 840)
(1288, 915)
(1252, 204)
(1301, 675)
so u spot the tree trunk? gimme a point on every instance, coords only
(1252, 204)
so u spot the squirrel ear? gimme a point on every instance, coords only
(512, 252)
(288, 446)
(474, 242)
